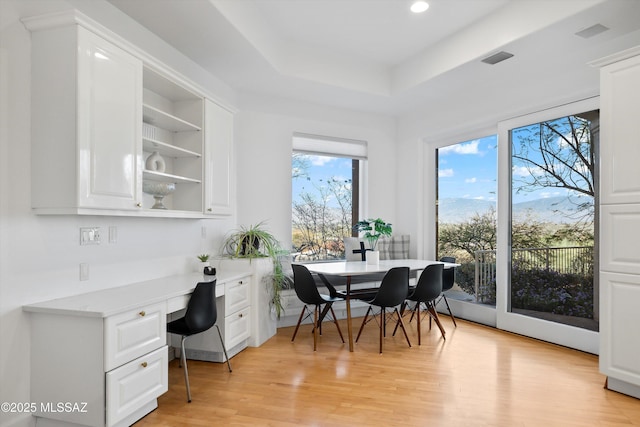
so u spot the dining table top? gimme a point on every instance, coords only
(355, 268)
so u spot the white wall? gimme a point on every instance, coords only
(264, 144)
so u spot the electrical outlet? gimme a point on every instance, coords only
(113, 234)
(84, 271)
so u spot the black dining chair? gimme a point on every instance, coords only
(427, 291)
(307, 291)
(448, 279)
(392, 292)
(200, 316)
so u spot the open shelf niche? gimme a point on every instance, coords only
(172, 126)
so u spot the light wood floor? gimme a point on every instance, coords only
(479, 376)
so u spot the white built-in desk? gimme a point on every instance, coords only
(101, 359)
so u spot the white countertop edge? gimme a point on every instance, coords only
(108, 302)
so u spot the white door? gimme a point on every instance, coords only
(218, 129)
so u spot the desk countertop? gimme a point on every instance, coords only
(107, 302)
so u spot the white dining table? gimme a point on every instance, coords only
(348, 269)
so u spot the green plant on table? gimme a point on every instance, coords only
(203, 257)
(373, 229)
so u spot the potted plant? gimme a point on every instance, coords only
(204, 258)
(373, 229)
(204, 262)
(256, 242)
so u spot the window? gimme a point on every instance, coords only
(325, 177)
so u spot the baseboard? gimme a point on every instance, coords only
(623, 387)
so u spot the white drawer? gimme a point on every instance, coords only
(131, 334)
(135, 384)
(237, 327)
(237, 295)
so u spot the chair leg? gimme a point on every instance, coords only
(316, 328)
(324, 312)
(434, 314)
(335, 320)
(363, 323)
(450, 312)
(402, 326)
(183, 358)
(298, 324)
(224, 348)
(403, 307)
(419, 322)
(382, 326)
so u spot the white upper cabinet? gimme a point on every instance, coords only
(115, 132)
(620, 103)
(86, 123)
(218, 160)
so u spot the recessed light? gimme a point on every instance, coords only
(419, 6)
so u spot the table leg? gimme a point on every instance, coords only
(348, 302)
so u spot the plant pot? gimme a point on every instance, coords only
(373, 257)
(249, 245)
(201, 265)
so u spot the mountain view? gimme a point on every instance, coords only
(550, 209)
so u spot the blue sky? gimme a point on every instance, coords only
(468, 170)
(320, 170)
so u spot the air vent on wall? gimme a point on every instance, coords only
(591, 31)
(497, 57)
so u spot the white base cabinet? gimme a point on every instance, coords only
(107, 352)
(263, 322)
(114, 368)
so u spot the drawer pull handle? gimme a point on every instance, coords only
(143, 364)
(240, 315)
(139, 205)
(142, 313)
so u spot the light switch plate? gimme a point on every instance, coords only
(89, 236)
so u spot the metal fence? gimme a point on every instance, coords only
(569, 260)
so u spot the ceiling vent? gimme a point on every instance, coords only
(497, 57)
(591, 31)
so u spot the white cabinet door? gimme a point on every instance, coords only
(109, 125)
(135, 384)
(619, 332)
(620, 106)
(218, 160)
(237, 295)
(133, 333)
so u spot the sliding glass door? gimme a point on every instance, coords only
(547, 228)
